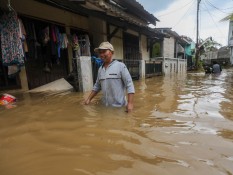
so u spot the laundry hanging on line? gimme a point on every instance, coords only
(11, 44)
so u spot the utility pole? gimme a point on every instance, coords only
(197, 41)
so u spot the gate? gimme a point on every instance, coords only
(133, 67)
(153, 68)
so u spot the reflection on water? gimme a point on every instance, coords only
(181, 125)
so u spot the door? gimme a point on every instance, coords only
(44, 61)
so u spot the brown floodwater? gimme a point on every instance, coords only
(180, 125)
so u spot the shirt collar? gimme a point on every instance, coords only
(113, 61)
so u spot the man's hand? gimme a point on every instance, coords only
(129, 107)
(87, 101)
(91, 96)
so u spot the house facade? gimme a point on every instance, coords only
(230, 40)
(81, 26)
(171, 49)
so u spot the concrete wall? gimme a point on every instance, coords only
(210, 55)
(145, 53)
(85, 73)
(117, 42)
(168, 47)
(174, 65)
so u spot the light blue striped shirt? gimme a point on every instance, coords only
(114, 81)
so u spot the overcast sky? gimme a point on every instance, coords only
(180, 15)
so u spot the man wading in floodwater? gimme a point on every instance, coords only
(113, 79)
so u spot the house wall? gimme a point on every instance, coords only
(168, 47)
(174, 65)
(210, 55)
(117, 42)
(97, 28)
(41, 11)
(145, 53)
(132, 32)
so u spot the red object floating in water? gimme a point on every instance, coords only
(7, 99)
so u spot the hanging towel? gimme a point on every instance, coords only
(53, 33)
(64, 41)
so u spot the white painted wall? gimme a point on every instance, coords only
(145, 53)
(117, 42)
(85, 73)
(174, 65)
(210, 55)
(168, 47)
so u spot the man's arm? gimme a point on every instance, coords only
(129, 87)
(91, 96)
(129, 106)
(95, 91)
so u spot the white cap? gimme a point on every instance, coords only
(104, 46)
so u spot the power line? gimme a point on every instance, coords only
(184, 14)
(213, 18)
(176, 9)
(215, 7)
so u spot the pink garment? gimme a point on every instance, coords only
(53, 34)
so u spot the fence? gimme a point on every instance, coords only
(157, 66)
(172, 65)
(153, 68)
(133, 67)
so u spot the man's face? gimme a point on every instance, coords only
(105, 55)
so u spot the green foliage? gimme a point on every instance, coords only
(156, 50)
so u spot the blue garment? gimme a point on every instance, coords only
(217, 68)
(98, 61)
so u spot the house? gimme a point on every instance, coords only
(230, 39)
(224, 55)
(209, 55)
(173, 46)
(172, 49)
(221, 56)
(189, 51)
(88, 22)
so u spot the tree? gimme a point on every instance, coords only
(208, 45)
(229, 17)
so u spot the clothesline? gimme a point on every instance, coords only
(27, 39)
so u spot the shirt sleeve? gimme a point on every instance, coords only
(127, 79)
(97, 85)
